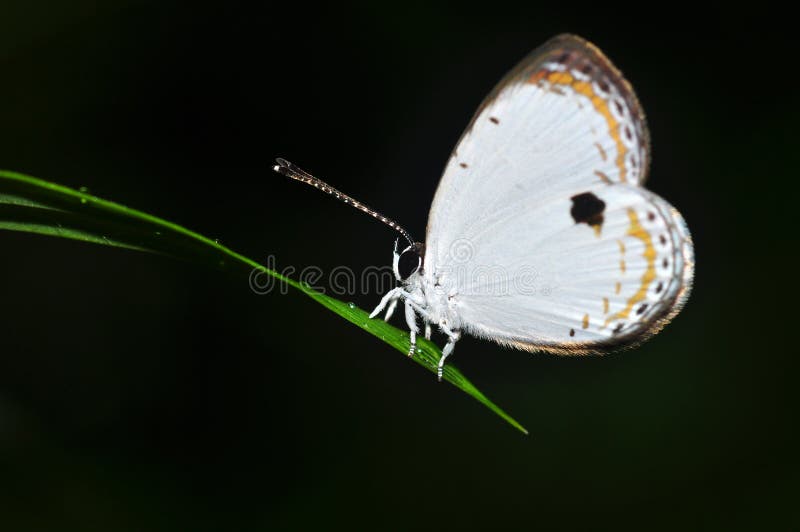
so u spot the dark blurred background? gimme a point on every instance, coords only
(141, 393)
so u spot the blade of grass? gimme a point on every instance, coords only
(32, 205)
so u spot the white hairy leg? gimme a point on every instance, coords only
(411, 320)
(453, 337)
(412, 308)
(394, 293)
(390, 310)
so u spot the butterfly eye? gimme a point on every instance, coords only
(410, 261)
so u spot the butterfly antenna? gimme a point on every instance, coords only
(290, 170)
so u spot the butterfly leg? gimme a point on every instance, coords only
(390, 310)
(427, 330)
(453, 337)
(411, 309)
(393, 294)
(411, 320)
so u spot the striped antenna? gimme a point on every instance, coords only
(290, 170)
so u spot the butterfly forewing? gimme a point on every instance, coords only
(543, 189)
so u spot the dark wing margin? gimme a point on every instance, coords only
(576, 54)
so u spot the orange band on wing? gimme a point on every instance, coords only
(600, 105)
(637, 231)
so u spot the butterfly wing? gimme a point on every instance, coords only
(606, 267)
(543, 188)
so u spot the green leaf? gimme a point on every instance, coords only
(32, 205)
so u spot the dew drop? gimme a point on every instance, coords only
(84, 201)
(351, 305)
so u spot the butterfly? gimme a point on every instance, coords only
(541, 236)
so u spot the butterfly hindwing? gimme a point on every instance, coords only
(609, 266)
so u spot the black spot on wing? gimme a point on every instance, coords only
(587, 209)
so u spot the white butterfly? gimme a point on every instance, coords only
(540, 235)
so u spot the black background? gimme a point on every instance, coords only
(140, 393)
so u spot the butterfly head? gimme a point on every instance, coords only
(407, 262)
